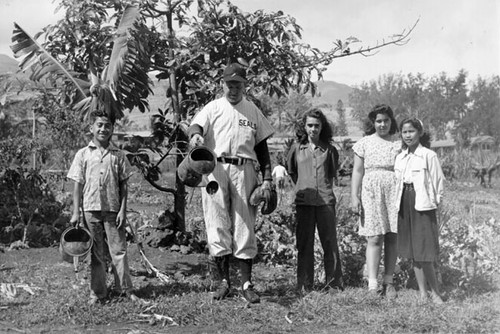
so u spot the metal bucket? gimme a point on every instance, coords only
(76, 242)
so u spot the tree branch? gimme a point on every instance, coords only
(161, 188)
(398, 39)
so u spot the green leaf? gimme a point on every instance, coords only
(38, 59)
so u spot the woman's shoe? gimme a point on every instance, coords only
(389, 291)
(436, 299)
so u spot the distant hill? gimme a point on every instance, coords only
(7, 64)
(329, 93)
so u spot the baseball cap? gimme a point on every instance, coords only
(234, 72)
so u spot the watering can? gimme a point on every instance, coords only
(75, 245)
(200, 161)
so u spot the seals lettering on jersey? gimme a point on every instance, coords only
(247, 123)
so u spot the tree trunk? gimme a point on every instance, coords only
(180, 194)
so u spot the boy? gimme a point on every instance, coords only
(100, 172)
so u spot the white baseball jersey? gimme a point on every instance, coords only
(233, 130)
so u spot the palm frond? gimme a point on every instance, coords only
(40, 61)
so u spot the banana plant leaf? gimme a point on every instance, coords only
(123, 84)
(40, 61)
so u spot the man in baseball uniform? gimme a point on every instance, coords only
(237, 131)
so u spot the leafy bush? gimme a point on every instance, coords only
(469, 250)
(469, 257)
(351, 245)
(276, 237)
(28, 206)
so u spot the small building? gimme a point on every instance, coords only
(133, 138)
(483, 144)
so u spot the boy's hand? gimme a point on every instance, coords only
(121, 220)
(75, 220)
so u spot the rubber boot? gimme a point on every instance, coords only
(247, 288)
(219, 272)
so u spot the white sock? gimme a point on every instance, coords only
(372, 284)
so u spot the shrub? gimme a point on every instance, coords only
(276, 237)
(27, 205)
(469, 251)
(352, 246)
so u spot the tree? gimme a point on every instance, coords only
(482, 117)
(341, 122)
(438, 101)
(139, 36)
(288, 111)
(445, 101)
(63, 132)
(402, 93)
(124, 124)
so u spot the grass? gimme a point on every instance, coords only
(59, 300)
(185, 306)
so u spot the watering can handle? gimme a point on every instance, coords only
(81, 223)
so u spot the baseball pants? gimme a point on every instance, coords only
(229, 218)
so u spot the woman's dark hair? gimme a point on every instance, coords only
(326, 130)
(425, 138)
(372, 116)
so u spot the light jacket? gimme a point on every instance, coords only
(427, 176)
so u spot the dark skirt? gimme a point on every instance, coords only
(417, 230)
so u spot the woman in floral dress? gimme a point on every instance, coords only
(373, 196)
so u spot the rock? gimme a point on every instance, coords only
(185, 249)
(179, 275)
(158, 238)
(166, 220)
(175, 248)
(183, 238)
(18, 244)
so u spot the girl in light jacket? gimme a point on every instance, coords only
(419, 192)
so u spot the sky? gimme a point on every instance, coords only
(450, 35)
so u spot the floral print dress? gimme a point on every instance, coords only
(378, 190)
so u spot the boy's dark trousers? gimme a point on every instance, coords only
(322, 217)
(100, 223)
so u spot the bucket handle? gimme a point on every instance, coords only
(81, 222)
